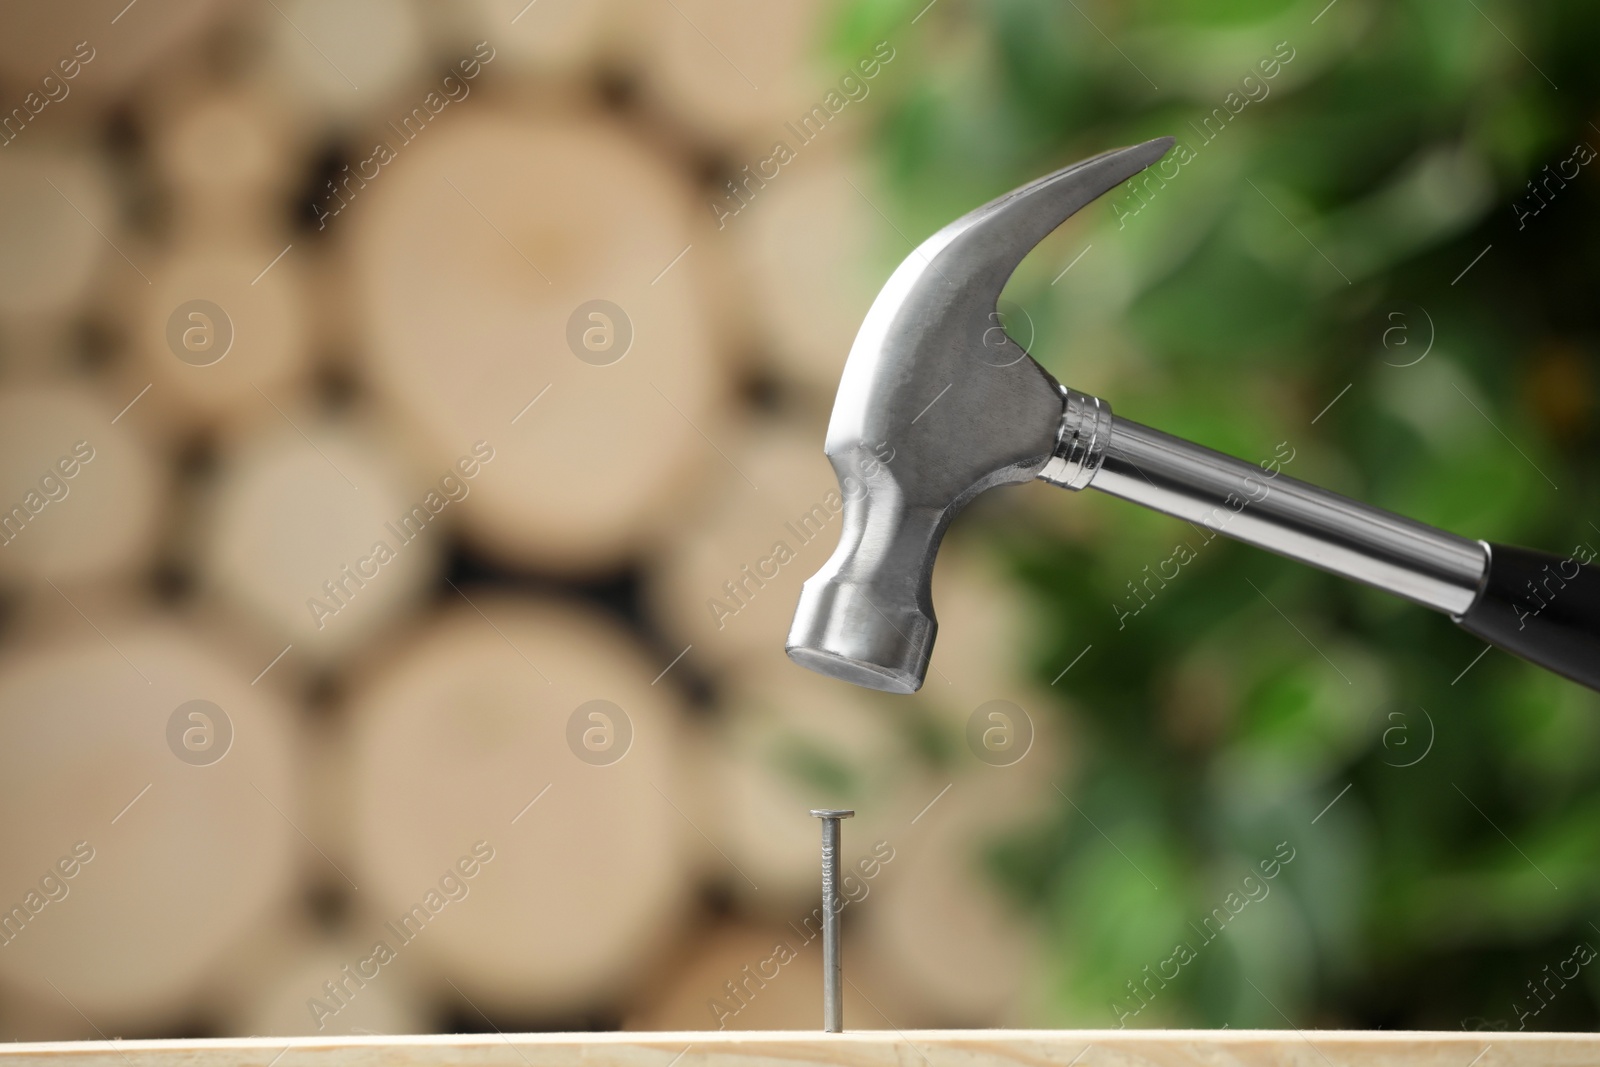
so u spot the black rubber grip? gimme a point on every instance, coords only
(1544, 608)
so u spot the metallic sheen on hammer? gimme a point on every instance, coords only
(933, 379)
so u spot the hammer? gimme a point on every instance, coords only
(935, 383)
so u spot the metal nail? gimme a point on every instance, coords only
(832, 977)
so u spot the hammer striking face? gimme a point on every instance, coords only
(933, 376)
(937, 404)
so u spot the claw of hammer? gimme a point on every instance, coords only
(961, 407)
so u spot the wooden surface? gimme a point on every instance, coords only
(933, 1048)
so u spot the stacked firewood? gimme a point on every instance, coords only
(410, 452)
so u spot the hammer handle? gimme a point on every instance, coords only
(1269, 509)
(1541, 607)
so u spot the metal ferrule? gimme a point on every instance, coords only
(1081, 440)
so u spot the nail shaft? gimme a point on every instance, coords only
(832, 974)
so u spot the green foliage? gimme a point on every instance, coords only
(1233, 304)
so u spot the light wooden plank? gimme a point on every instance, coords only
(940, 1048)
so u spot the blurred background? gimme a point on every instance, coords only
(410, 452)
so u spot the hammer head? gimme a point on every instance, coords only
(936, 405)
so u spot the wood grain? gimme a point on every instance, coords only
(941, 1048)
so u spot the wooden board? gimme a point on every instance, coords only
(939, 1048)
